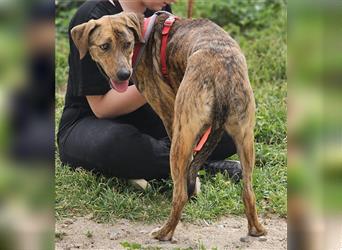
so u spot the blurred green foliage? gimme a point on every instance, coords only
(258, 26)
(66, 5)
(242, 15)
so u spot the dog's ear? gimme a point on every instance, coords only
(80, 36)
(135, 22)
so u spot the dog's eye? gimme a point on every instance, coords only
(104, 46)
(127, 45)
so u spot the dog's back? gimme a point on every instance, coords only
(215, 58)
(203, 34)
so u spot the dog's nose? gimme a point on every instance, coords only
(123, 74)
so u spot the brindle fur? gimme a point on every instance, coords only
(208, 86)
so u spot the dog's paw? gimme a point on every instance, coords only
(159, 234)
(250, 239)
(154, 232)
(256, 232)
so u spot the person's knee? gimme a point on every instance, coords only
(117, 136)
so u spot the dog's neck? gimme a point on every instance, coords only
(151, 58)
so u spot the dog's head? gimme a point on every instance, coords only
(110, 41)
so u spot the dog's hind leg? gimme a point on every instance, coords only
(180, 157)
(244, 140)
(190, 117)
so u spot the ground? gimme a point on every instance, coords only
(85, 233)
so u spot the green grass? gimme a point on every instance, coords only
(80, 192)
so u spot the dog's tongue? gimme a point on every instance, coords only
(119, 86)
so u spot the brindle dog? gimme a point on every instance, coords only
(208, 86)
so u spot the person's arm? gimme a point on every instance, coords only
(114, 104)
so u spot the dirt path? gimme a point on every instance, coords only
(83, 233)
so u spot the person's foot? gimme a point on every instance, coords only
(140, 184)
(197, 186)
(233, 168)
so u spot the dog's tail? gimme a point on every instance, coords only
(203, 154)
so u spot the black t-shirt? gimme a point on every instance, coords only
(84, 76)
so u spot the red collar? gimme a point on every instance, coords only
(146, 31)
(165, 35)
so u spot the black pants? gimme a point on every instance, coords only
(133, 146)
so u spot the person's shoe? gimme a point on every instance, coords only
(232, 168)
(140, 184)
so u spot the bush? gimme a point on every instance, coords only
(245, 15)
(66, 5)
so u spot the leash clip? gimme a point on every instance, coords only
(168, 24)
(169, 21)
